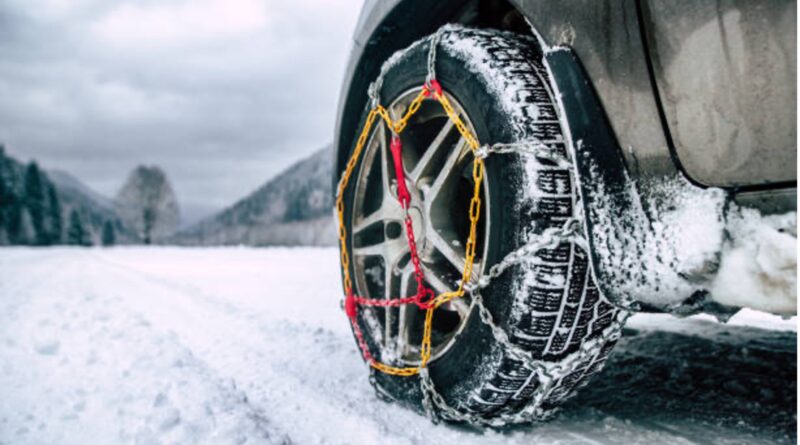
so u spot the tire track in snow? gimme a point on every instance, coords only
(589, 425)
(161, 350)
(112, 377)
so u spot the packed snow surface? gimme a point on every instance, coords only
(233, 346)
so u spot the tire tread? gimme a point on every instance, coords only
(557, 320)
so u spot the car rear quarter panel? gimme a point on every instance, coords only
(607, 36)
(604, 34)
(726, 73)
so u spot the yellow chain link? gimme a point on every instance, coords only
(351, 164)
(474, 215)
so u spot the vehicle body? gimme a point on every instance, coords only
(643, 58)
(698, 90)
(643, 158)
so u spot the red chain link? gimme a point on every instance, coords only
(425, 295)
(397, 155)
(432, 87)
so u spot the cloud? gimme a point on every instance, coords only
(222, 94)
(175, 25)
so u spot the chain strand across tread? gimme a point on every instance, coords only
(556, 320)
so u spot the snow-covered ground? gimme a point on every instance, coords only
(219, 346)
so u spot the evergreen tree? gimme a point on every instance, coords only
(26, 233)
(9, 209)
(35, 202)
(54, 210)
(14, 220)
(77, 234)
(109, 238)
(6, 199)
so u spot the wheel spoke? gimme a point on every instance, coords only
(388, 249)
(385, 159)
(371, 250)
(424, 163)
(439, 285)
(368, 221)
(388, 277)
(443, 244)
(405, 314)
(447, 169)
(459, 305)
(436, 281)
(387, 295)
(388, 212)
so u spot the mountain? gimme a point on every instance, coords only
(147, 203)
(37, 207)
(292, 209)
(192, 212)
(93, 207)
(68, 184)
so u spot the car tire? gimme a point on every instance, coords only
(548, 304)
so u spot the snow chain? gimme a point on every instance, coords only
(548, 374)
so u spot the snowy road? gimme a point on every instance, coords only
(218, 346)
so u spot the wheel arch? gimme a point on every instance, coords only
(387, 26)
(605, 35)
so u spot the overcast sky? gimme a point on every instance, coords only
(222, 94)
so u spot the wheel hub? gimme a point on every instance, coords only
(436, 163)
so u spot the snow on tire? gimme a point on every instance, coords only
(548, 304)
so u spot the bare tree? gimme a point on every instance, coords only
(147, 203)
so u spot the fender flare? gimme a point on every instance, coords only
(595, 150)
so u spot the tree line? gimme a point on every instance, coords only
(31, 212)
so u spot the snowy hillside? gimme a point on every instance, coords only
(96, 208)
(294, 208)
(66, 182)
(238, 345)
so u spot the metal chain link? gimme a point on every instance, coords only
(532, 146)
(570, 231)
(547, 374)
(432, 55)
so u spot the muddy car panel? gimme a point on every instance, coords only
(644, 60)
